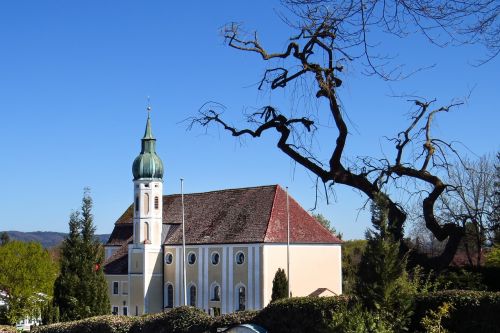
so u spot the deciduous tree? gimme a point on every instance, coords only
(27, 275)
(318, 53)
(468, 202)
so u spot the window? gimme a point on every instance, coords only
(191, 258)
(192, 295)
(169, 258)
(157, 203)
(216, 293)
(125, 311)
(115, 310)
(124, 288)
(146, 232)
(241, 299)
(215, 258)
(146, 203)
(170, 296)
(240, 258)
(137, 204)
(115, 287)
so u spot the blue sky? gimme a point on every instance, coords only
(75, 75)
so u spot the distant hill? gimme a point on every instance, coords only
(46, 238)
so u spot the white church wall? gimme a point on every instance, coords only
(312, 266)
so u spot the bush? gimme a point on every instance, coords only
(101, 324)
(184, 319)
(7, 329)
(474, 311)
(237, 318)
(356, 319)
(300, 314)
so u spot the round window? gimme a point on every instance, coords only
(191, 258)
(215, 258)
(169, 258)
(240, 258)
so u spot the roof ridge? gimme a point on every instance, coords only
(271, 211)
(225, 190)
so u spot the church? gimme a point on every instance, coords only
(234, 242)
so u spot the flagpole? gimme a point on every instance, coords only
(288, 241)
(183, 245)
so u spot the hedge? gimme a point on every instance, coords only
(184, 319)
(100, 324)
(231, 319)
(474, 311)
(301, 314)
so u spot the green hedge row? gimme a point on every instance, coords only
(179, 320)
(100, 324)
(301, 314)
(474, 311)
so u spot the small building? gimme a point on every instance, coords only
(236, 239)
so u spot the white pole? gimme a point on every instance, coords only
(288, 242)
(183, 245)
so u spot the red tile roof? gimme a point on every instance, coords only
(303, 227)
(118, 262)
(245, 215)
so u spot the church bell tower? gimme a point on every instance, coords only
(145, 252)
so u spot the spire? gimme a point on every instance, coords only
(148, 164)
(148, 133)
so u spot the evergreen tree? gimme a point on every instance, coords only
(4, 238)
(495, 212)
(382, 278)
(327, 224)
(280, 285)
(81, 289)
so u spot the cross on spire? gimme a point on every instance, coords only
(148, 108)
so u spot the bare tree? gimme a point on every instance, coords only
(318, 53)
(454, 22)
(468, 202)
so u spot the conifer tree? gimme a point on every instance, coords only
(280, 285)
(81, 289)
(4, 238)
(382, 282)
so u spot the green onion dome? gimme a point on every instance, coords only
(148, 164)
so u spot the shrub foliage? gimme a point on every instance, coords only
(469, 311)
(473, 311)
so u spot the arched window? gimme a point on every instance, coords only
(170, 296)
(241, 298)
(137, 203)
(192, 295)
(157, 203)
(216, 293)
(146, 203)
(146, 231)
